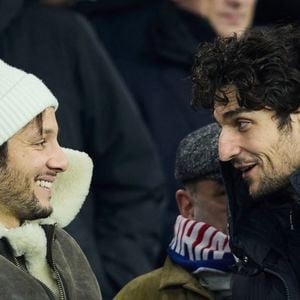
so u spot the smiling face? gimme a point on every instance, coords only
(251, 140)
(33, 160)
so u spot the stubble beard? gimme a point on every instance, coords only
(269, 184)
(275, 177)
(17, 196)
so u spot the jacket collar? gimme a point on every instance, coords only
(256, 226)
(174, 275)
(295, 182)
(70, 189)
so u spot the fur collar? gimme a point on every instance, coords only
(70, 189)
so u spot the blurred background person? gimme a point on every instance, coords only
(119, 227)
(199, 257)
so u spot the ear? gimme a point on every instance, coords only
(185, 203)
(295, 117)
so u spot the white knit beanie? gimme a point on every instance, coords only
(22, 97)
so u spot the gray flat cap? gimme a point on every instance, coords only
(197, 155)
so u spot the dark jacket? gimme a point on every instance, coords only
(74, 274)
(265, 236)
(153, 48)
(171, 282)
(119, 227)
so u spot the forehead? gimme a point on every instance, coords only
(209, 188)
(221, 110)
(209, 183)
(42, 123)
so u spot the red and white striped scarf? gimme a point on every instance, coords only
(198, 246)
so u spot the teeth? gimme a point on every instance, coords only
(44, 184)
(247, 168)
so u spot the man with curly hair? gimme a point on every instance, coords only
(252, 84)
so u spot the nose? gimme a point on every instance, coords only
(228, 146)
(58, 160)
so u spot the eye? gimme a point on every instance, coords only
(41, 143)
(243, 125)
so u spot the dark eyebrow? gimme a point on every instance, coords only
(232, 113)
(49, 131)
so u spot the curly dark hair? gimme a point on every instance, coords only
(263, 65)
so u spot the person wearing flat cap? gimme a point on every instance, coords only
(199, 258)
(42, 188)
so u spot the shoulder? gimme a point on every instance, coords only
(57, 23)
(66, 241)
(143, 287)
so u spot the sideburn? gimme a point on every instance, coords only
(3, 155)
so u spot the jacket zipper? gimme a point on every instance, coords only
(50, 235)
(58, 281)
(287, 292)
(17, 263)
(52, 265)
(21, 267)
(291, 220)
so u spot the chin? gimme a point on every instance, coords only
(43, 212)
(255, 192)
(42, 198)
(45, 205)
(38, 212)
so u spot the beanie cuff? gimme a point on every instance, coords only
(26, 99)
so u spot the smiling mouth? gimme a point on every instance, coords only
(246, 170)
(44, 184)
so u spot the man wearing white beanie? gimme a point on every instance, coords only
(42, 188)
